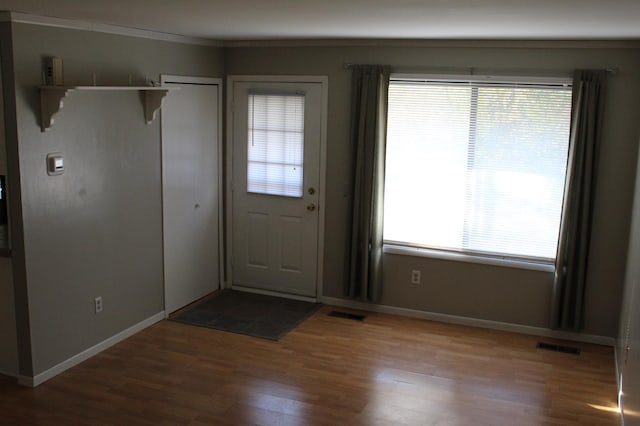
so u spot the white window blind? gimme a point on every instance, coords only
(275, 144)
(476, 167)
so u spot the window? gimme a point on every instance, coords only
(477, 167)
(275, 144)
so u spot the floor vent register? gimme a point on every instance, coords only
(558, 348)
(347, 315)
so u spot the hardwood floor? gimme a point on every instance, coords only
(385, 370)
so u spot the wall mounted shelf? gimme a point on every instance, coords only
(52, 99)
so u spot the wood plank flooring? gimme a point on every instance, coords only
(386, 370)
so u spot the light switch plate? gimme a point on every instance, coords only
(55, 163)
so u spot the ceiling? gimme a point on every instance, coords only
(376, 19)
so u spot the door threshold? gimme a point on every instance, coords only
(274, 293)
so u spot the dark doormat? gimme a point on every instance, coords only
(248, 313)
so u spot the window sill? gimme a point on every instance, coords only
(459, 257)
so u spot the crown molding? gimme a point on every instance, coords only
(504, 44)
(49, 21)
(25, 18)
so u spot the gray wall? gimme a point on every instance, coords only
(629, 333)
(479, 291)
(21, 306)
(8, 340)
(95, 230)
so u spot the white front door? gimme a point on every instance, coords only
(277, 134)
(190, 189)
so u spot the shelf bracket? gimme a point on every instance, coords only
(51, 102)
(152, 103)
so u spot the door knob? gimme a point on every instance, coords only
(311, 207)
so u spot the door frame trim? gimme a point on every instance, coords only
(324, 84)
(211, 81)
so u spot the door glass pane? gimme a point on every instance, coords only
(275, 144)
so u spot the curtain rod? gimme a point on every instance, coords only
(472, 70)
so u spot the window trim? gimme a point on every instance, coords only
(406, 250)
(409, 249)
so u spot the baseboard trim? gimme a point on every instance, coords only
(88, 353)
(273, 293)
(8, 374)
(472, 322)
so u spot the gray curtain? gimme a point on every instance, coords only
(572, 260)
(370, 85)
